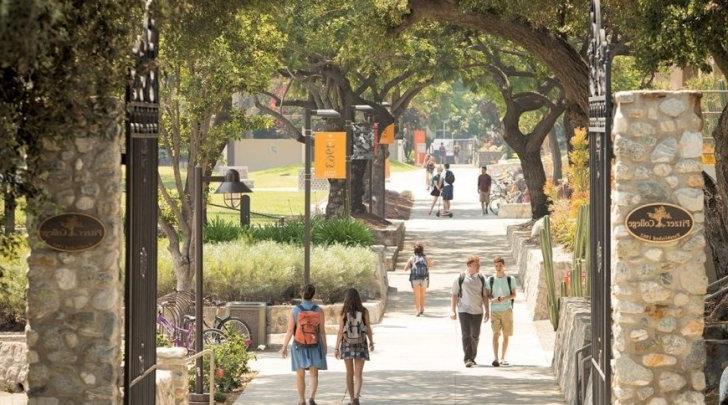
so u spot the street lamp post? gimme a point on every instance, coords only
(231, 187)
(383, 204)
(307, 186)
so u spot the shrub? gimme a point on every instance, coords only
(344, 231)
(231, 362)
(273, 272)
(220, 230)
(564, 212)
(13, 280)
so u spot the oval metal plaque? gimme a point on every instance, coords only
(659, 222)
(72, 232)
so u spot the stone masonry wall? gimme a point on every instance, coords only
(74, 298)
(657, 288)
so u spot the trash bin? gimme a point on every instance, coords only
(253, 314)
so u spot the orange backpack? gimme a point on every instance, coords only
(307, 326)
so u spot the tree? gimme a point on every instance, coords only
(527, 94)
(546, 29)
(51, 70)
(207, 54)
(328, 65)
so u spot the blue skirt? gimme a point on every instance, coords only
(306, 357)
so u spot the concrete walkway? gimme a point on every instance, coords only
(418, 360)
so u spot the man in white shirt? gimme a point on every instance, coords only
(469, 302)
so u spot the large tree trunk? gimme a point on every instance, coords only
(720, 135)
(535, 177)
(358, 175)
(716, 227)
(555, 155)
(183, 272)
(337, 197)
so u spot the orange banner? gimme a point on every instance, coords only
(387, 135)
(330, 155)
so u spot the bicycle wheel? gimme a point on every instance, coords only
(236, 326)
(213, 336)
(495, 204)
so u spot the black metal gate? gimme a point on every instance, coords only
(142, 130)
(600, 157)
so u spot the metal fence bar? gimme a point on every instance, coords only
(212, 370)
(577, 375)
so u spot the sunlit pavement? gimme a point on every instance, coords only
(418, 360)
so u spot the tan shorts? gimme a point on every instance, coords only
(502, 322)
(484, 197)
(422, 282)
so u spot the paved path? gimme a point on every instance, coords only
(418, 360)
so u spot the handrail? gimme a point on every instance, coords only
(577, 374)
(144, 375)
(198, 373)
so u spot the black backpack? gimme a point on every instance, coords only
(460, 284)
(510, 289)
(449, 177)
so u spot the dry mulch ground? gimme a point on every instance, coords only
(399, 206)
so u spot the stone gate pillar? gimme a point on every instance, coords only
(74, 276)
(658, 275)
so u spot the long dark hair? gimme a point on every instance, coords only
(352, 303)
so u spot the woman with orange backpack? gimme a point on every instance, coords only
(351, 341)
(306, 325)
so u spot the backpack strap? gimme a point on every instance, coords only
(461, 278)
(482, 284)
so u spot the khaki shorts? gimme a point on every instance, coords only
(484, 197)
(502, 322)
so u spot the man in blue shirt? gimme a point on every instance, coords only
(501, 292)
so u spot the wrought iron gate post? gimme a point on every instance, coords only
(140, 159)
(600, 157)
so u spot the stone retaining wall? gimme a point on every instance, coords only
(13, 363)
(392, 235)
(514, 210)
(574, 333)
(277, 315)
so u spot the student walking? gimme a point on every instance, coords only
(469, 302)
(484, 183)
(351, 342)
(437, 183)
(447, 190)
(429, 170)
(419, 267)
(308, 351)
(502, 292)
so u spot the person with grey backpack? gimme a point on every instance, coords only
(419, 267)
(354, 341)
(469, 303)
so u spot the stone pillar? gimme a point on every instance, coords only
(75, 297)
(173, 359)
(657, 287)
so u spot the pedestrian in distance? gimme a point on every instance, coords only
(437, 183)
(429, 170)
(351, 342)
(443, 153)
(469, 303)
(419, 267)
(502, 292)
(447, 191)
(484, 183)
(308, 351)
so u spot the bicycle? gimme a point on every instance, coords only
(228, 324)
(184, 336)
(498, 196)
